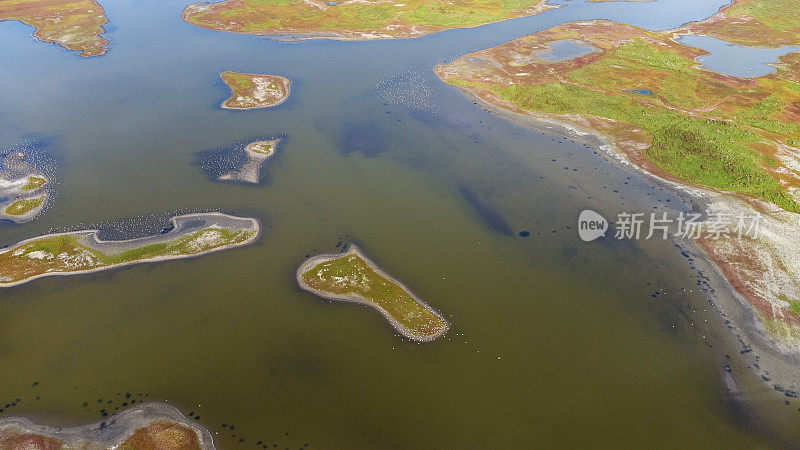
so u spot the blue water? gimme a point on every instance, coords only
(565, 49)
(733, 59)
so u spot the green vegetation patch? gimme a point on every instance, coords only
(697, 150)
(34, 183)
(24, 206)
(350, 274)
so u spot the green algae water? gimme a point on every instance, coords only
(552, 340)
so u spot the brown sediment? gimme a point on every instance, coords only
(149, 426)
(73, 24)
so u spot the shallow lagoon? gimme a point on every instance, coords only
(552, 340)
(733, 59)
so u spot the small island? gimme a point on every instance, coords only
(359, 20)
(24, 190)
(352, 277)
(83, 252)
(73, 24)
(250, 91)
(257, 152)
(156, 426)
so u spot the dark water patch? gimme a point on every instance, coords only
(638, 91)
(490, 215)
(366, 138)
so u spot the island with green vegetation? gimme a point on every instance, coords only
(731, 143)
(257, 153)
(352, 277)
(83, 252)
(149, 426)
(24, 189)
(354, 19)
(250, 91)
(73, 24)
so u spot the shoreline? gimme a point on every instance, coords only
(286, 82)
(357, 36)
(783, 365)
(94, 234)
(355, 298)
(113, 431)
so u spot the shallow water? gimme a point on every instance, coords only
(736, 60)
(565, 49)
(553, 340)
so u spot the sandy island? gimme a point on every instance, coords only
(81, 252)
(357, 20)
(257, 153)
(24, 190)
(149, 426)
(643, 101)
(73, 24)
(250, 91)
(352, 277)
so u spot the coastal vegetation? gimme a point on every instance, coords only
(351, 19)
(643, 92)
(22, 207)
(250, 91)
(69, 253)
(73, 24)
(701, 127)
(148, 426)
(352, 277)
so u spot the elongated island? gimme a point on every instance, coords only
(24, 189)
(353, 19)
(149, 426)
(83, 252)
(352, 277)
(728, 143)
(250, 91)
(257, 153)
(73, 24)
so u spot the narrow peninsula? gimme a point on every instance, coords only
(83, 252)
(250, 91)
(731, 143)
(352, 277)
(73, 24)
(24, 189)
(359, 20)
(146, 426)
(257, 153)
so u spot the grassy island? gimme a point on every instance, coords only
(149, 426)
(735, 139)
(354, 278)
(73, 24)
(24, 190)
(354, 19)
(82, 251)
(249, 91)
(257, 153)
